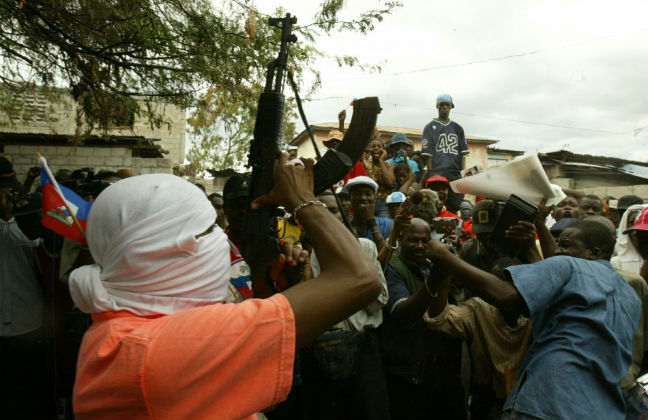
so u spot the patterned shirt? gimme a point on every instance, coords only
(497, 349)
(446, 144)
(374, 172)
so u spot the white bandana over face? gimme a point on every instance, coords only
(141, 233)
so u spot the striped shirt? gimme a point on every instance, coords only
(497, 348)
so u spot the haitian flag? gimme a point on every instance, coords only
(56, 202)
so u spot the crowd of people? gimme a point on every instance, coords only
(391, 297)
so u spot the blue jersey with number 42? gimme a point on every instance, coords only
(446, 144)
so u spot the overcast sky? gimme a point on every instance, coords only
(538, 76)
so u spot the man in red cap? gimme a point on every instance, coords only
(441, 185)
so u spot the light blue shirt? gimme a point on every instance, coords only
(383, 223)
(399, 159)
(584, 318)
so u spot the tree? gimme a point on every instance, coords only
(107, 52)
(221, 126)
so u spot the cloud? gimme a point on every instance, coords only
(579, 84)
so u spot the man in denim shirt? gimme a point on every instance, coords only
(584, 318)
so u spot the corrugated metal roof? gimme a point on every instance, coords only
(627, 167)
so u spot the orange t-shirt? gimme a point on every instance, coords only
(221, 361)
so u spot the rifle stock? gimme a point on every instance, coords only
(335, 164)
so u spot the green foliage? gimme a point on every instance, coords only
(210, 56)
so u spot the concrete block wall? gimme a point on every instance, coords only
(171, 135)
(638, 190)
(209, 184)
(60, 119)
(69, 157)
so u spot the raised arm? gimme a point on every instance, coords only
(489, 287)
(32, 174)
(401, 222)
(547, 242)
(409, 184)
(348, 280)
(413, 308)
(387, 170)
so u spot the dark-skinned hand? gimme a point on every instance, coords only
(33, 172)
(523, 233)
(401, 223)
(293, 185)
(543, 211)
(284, 271)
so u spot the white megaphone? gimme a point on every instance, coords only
(523, 177)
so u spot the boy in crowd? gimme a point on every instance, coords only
(362, 191)
(441, 185)
(591, 205)
(444, 147)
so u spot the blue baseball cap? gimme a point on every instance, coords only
(444, 98)
(400, 138)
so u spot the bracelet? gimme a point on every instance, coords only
(306, 204)
(393, 248)
(427, 287)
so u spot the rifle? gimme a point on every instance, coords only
(260, 243)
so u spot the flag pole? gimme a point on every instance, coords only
(43, 163)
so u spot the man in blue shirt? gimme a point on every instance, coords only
(444, 146)
(399, 148)
(584, 318)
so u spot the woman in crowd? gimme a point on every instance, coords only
(382, 172)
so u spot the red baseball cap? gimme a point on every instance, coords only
(436, 178)
(641, 222)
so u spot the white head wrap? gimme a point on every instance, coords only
(142, 235)
(627, 257)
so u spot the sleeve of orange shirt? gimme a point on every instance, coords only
(220, 361)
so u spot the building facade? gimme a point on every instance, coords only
(44, 125)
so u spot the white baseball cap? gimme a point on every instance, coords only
(362, 180)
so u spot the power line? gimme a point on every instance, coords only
(322, 99)
(594, 130)
(491, 117)
(486, 60)
(569, 127)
